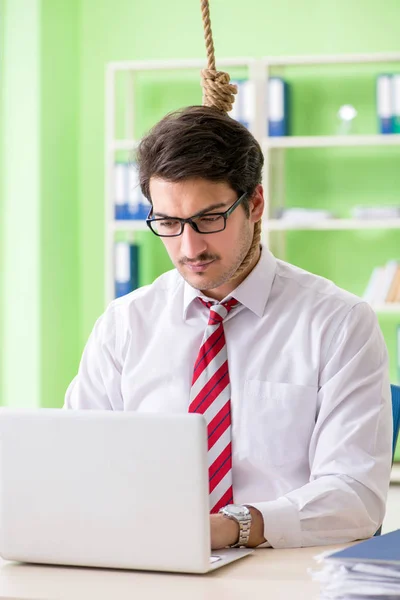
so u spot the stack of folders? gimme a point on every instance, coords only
(367, 570)
(128, 198)
(243, 109)
(126, 268)
(388, 102)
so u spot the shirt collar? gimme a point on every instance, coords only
(253, 292)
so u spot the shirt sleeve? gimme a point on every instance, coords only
(350, 450)
(98, 382)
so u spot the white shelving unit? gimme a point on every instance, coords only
(331, 141)
(112, 144)
(258, 71)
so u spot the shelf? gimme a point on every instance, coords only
(331, 59)
(159, 65)
(318, 141)
(129, 225)
(156, 65)
(331, 224)
(388, 307)
(331, 141)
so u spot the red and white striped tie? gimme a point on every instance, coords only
(210, 395)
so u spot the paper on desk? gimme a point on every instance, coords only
(351, 581)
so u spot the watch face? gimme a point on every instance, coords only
(235, 510)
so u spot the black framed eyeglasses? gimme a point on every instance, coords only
(212, 222)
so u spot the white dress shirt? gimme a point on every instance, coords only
(310, 394)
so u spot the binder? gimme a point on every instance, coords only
(126, 268)
(243, 107)
(398, 359)
(384, 103)
(247, 103)
(369, 569)
(381, 549)
(138, 206)
(278, 107)
(396, 102)
(120, 190)
(235, 112)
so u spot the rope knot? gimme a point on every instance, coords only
(217, 90)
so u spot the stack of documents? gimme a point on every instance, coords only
(375, 212)
(304, 215)
(368, 570)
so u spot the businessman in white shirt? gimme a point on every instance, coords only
(290, 371)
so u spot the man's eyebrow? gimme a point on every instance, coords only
(199, 214)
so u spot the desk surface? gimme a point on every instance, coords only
(277, 574)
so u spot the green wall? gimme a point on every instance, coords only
(60, 46)
(39, 279)
(20, 217)
(54, 104)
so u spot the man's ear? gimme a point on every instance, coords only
(256, 204)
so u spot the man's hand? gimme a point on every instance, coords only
(225, 532)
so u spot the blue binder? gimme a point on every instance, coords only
(278, 107)
(243, 107)
(126, 268)
(138, 206)
(384, 103)
(383, 549)
(120, 190)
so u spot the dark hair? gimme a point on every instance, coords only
(200, 141)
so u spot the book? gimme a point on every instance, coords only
(383, 284)
(138, 206)
(278, 107)
(398, 352)
(394, 290)
(129, 201)
(389, 273)
(372, 285)
(120, 190)
(243, 107)
(126, 268)
(384, 103)
(396, 102)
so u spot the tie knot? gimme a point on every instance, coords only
(219, 310)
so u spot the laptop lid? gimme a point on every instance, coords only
(105, 489)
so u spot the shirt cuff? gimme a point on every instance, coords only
(281, 523)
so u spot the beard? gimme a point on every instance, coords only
(217, 276)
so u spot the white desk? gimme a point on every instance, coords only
(267, 573)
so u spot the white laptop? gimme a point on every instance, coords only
(106, 489)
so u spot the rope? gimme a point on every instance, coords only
(217, 91)
(253, 250)
(220, 94)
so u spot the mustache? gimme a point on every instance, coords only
(202, 258)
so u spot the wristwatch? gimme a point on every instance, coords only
(242, 516)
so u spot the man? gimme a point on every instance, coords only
(289, 370)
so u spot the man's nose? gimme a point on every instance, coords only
(192, 243)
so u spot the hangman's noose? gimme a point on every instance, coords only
(220, 94)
